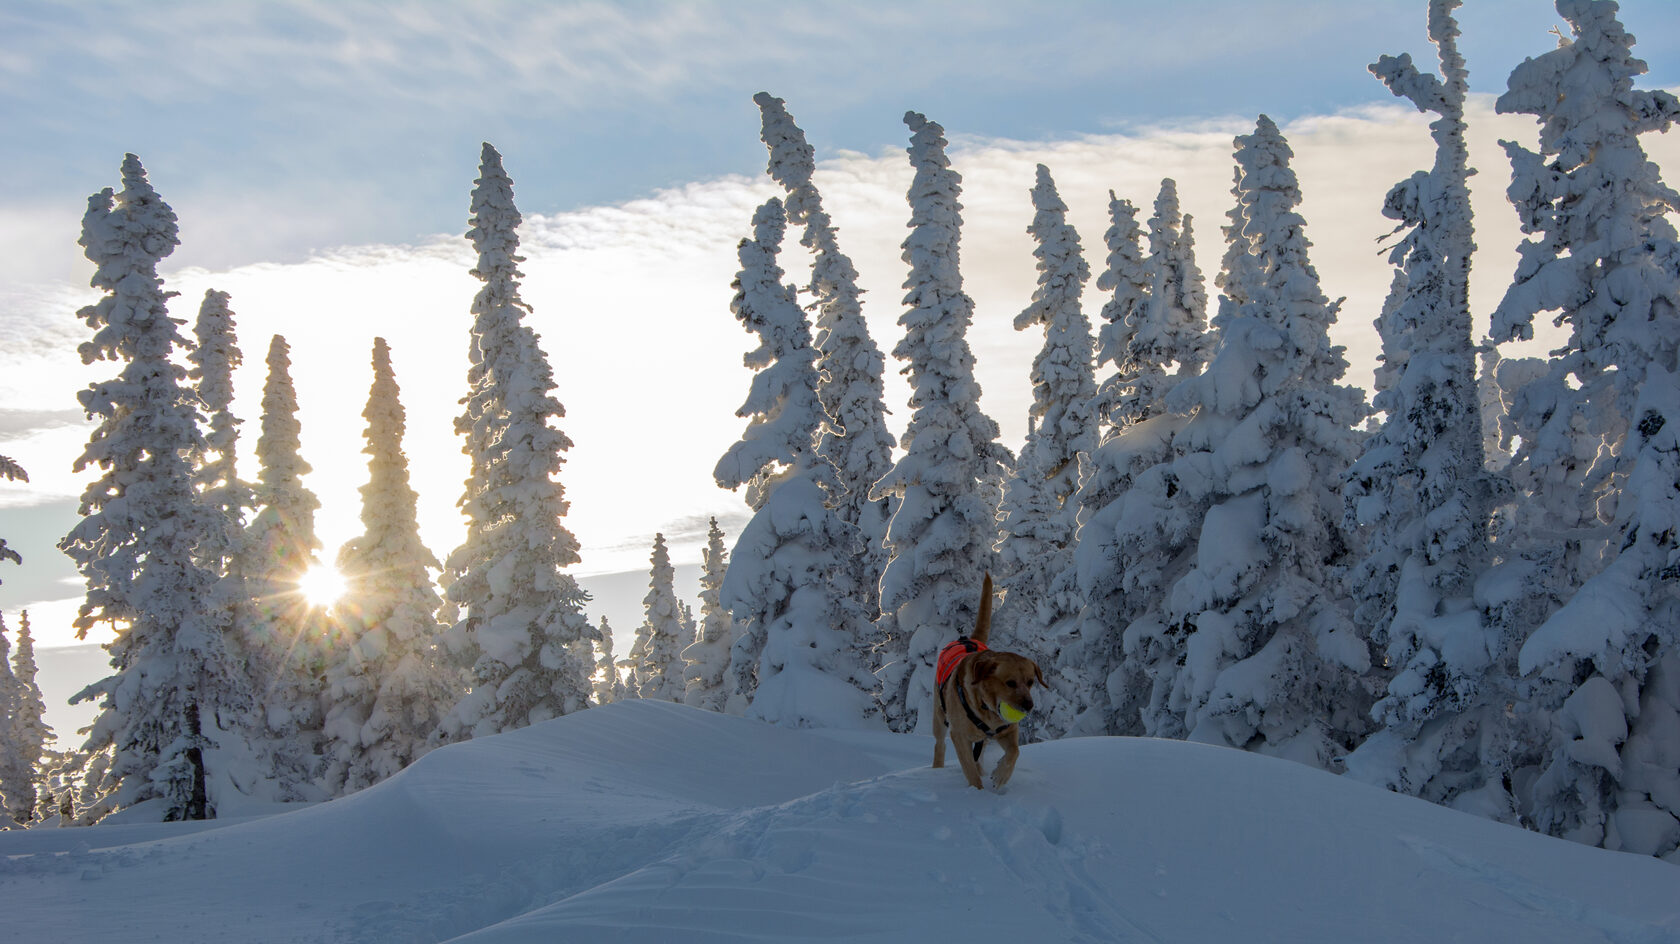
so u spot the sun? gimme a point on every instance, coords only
(321, 585)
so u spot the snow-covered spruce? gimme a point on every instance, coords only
(1040, 513)
(280, 631)
(1271, 661)
(384, 685)
(661, 638)
(11, 472)
(1419, 494)
(850, 367)
(706, 660)
(521, 635)
(1168, 341)
(17, 772)
(949, 481)
(27, 734)
(215, 476)
(1165, 342)
(1128, 278)
(605, 683)
(175, 704)
(215, 469)
(1600, 458)
(800, 658)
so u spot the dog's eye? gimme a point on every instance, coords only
(1011, 683)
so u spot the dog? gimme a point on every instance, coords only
(981, 694)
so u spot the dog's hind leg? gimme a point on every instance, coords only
(940, 726)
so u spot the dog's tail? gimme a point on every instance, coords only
(983, 622)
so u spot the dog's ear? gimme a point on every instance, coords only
(984, 668)
(1038, 673)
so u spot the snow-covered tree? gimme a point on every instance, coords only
(1168, 341)
(1239, 273)
(282, 633)
(215, 471)
(1128, 278)
(28, 730)
(384, 685)
(1270, 660)
(1040, 513)
(605, 683)
(1419, 492)
(1599, 531)
(175, 700)
(659, 640)
(17, 773)
(855, 439)
(949, 481)
(707, 659)
(1124, 580)
(800, 657)
(11, 472)
(521, 635)
(1108, 471)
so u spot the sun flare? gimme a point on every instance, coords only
(321, 585)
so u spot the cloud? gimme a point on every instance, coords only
(16, 423)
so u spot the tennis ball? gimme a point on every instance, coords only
(1010, 713)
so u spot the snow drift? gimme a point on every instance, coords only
(647, 821)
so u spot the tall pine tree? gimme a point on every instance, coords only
(1270, 661)
(850, 367)
(283, 634)
(801, 653)
(1040, 511)
(29, 725)
(17, 770)
(1126, 558)
(706, 661)
(215, 470)
(385, 686)
(522, 636)
(173, 685)
(1419, 491)
(11, 472)
(659, 640)
(949, 481)
(1596, 536)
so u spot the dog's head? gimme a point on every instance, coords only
(1006, 678)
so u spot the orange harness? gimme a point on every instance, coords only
(952, 654)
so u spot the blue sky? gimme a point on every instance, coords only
(320, 157)
(355, 122)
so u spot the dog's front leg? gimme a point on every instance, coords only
(970, 763)
(1011, 742)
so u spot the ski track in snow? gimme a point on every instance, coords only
(651, 822)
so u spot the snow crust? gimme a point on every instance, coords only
(651, 821)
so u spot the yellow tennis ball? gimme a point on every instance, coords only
(1010, 713)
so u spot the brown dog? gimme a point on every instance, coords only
(973, 699)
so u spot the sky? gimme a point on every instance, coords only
(320, 157)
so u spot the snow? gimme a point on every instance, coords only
(651, 821)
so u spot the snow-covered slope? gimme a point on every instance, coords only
(646, 821)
